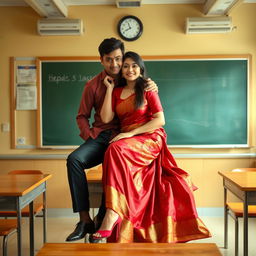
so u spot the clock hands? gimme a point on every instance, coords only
(128, 27)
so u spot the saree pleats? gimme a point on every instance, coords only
(152, 195)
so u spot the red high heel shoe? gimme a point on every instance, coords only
(106, 233)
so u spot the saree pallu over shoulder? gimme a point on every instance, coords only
(152, 195)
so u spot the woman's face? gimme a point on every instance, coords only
(130, 69)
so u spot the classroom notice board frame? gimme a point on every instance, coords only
(186, 83)
(16, 115)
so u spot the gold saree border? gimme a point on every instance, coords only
(166, 231)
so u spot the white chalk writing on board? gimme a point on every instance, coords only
(63, 78)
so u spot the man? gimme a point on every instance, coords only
(91, 152)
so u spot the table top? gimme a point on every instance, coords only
(134, 249)
(246, 181)
(19, 185)
(94, 175)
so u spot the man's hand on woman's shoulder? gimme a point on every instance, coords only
(151, 85)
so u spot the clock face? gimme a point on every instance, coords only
(130, 28)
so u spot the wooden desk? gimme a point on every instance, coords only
(94, 179)
(134, 249)
(243, 185)
(94, 175)
(16, 192)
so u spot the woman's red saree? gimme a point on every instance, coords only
(143, 183)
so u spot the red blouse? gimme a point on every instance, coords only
(130, 117)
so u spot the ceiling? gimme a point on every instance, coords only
(59, 8)
(98, 2)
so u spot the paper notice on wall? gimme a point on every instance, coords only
(26, 97)
(26, 74)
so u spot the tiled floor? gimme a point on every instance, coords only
(59, 229)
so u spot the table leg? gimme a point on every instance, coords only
(19, 233)
(245, 224)
(31, 228)
(225, 220)
(44, 218)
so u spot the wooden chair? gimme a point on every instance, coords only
(7, 228)
(236, 209)
(39, 207)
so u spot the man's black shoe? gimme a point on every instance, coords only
(81, 230)
(97, 241)
(97, 222)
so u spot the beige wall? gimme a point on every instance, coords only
(163, 35)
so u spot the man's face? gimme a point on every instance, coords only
(112, 62)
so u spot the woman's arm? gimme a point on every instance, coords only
(157, 122)
(106, 112)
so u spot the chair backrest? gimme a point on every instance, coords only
(244, 170)
(25, 172)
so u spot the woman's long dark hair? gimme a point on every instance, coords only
(141, 80)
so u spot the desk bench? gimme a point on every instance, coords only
(94, 179)
(134, 249)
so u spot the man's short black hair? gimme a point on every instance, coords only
(110, 44)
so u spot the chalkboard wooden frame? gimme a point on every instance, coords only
(195, 58)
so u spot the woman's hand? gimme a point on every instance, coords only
(109, 82)
(151, 86)
(106, 112)
(122, 135)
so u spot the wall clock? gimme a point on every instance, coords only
(130, 28)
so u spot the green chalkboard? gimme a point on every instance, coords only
(204, 99)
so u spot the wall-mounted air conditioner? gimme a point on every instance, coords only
(204, 25)
(56, 27)
(128, 3)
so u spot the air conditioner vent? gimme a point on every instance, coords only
(203, 25)
(60, 27)
(128, 3)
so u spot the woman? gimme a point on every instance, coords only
(148, 198)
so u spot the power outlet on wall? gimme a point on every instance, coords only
(5, 127)
(21, 140)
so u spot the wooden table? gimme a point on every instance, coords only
(243, 185)
(134, 249)
(94, 179)
(16, 192)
